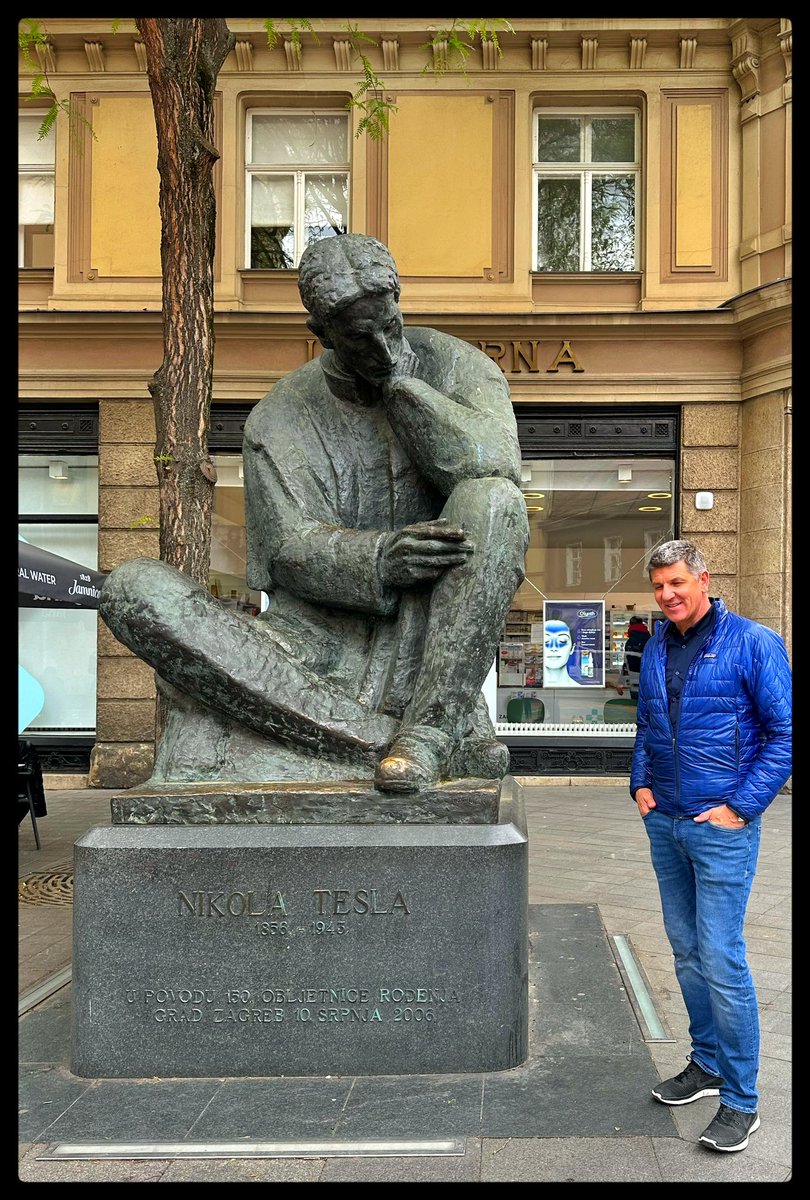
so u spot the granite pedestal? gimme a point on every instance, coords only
(310, 949)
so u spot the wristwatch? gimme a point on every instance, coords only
(741, 820)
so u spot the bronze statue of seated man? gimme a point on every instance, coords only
(385, 523)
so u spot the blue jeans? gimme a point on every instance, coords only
(704, 875)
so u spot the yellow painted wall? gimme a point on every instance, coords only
(693, 223)
(440, 185)
(125, 229)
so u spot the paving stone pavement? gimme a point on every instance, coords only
(587, 847)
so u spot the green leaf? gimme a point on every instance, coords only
(485, 29)
(297, 25)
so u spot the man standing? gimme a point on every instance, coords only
(712, 750)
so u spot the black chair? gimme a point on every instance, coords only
(30, 789)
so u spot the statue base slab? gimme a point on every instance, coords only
(301, 949)
(351, 802)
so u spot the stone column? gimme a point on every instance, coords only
(128, 528)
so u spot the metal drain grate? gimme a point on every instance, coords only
(51, 887)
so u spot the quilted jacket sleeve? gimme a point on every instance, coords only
(768, 681)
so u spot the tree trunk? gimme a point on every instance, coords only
(184, 56)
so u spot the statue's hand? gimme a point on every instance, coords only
(405, 367)
(421, 552)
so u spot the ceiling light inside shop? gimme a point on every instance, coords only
(58, 470)
(650, 508)
(535, 508)
(533, 495)
(659, 495)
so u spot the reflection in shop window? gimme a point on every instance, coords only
(592, 529)
(651, 539)
(573, 565)
(613, 559)
(227, 575)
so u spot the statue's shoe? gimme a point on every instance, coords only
(417, 758)
(479, 758)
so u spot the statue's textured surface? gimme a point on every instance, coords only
(385, 522)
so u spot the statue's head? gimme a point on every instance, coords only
(336, 271)
(350, 287)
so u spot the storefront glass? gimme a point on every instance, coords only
(228, 539)
(594, 523)
(58, 505)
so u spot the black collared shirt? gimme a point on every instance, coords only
(681, 650)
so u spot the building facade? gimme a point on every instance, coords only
(603, 206)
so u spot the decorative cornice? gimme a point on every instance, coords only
(785, 39)
(294, 53)
(390, 49)
(490, 56)
(140, 54)
(638, 49)
(539, 53)
(46, 56)
(688, 53)
(343, 53)
(590, 49)
(440, 56)
(95, 55)
(244, 55)
(745, 64)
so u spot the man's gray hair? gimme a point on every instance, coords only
(336, 271)
(673, 552)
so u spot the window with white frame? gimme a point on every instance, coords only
(36, 158)
(297, 183)
(585, 191)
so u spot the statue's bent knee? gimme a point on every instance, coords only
(492, 507)
(145, 593)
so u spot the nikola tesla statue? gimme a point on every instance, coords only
(385, 523)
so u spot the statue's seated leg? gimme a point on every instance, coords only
(467, 609)
(236, 665)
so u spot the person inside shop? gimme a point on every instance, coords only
(558, 646)
(637, 637)
(712, 750)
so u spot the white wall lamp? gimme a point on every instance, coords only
(704, 500)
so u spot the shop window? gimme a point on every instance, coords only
(585, 192)
(36, 174)
(58, 501)
(228, 539)
(297, 183)
(593, 525)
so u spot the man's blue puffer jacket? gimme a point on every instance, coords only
(734, 733)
